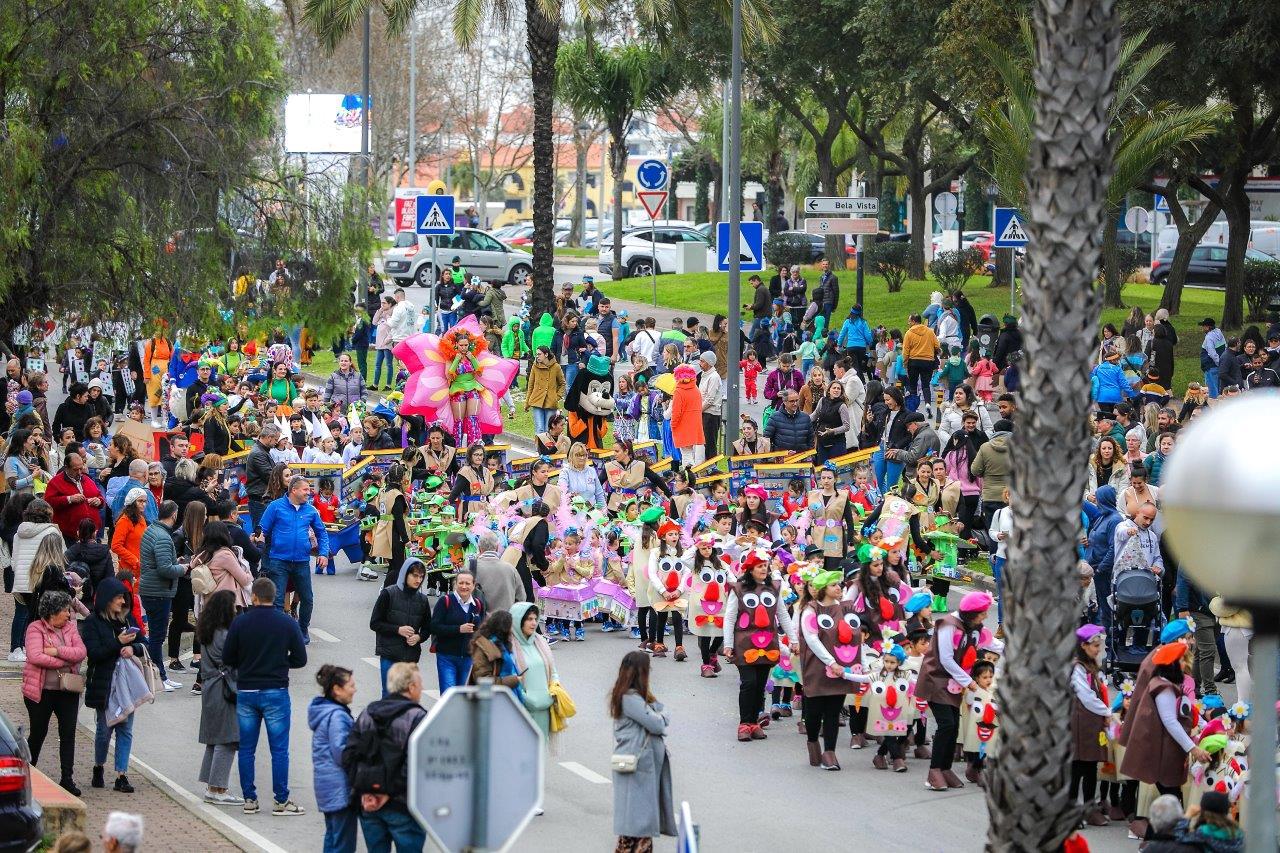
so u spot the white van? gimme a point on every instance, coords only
(1264, 235)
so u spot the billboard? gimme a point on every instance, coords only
(322, 124)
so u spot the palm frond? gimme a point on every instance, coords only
(1149, 138)
(333, 19)
(468, 16)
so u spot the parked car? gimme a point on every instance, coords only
(639, 256)
(21, 820)
(983, 241)
(481, 253)
(1208, 265)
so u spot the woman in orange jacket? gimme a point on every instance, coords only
(126, 541)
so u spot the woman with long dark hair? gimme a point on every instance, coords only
(831, 424)
(643, 806)
(188, 541)
(753, 645)
(219, 728)
(391, 535)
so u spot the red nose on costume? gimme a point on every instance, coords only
(969, 658)
(891, 696)
(989, 713)
(712, 593)
(886, 608)
(762, 616)
(672, 581)
(844, 633)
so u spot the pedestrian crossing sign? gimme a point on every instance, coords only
(435, 214)
(1009, 228)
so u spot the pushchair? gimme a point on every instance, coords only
(1136, 619)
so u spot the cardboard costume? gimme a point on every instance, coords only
(890, 703)
(755, 633)
(707, 594)
(838, 632)
(589, 403)
(978, 721)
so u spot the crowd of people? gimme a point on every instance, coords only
(830, 596)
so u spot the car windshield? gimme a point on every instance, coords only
(405, 239)
(1256, 255)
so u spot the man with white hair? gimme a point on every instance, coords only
(712, 389)
(122, 833)
(1163, 814)
(118, 489)
(499, 583)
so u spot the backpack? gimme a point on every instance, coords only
(373, 763)
(202, 582)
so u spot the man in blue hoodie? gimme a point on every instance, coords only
(291, 526)
(857, 338)
(1104, 518)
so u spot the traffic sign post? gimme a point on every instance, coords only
(749, 233)
(1011, 234)
(652, 175)
(435, 217)
(818, 205)
(841, 226)
(653, 201)
(466, 794)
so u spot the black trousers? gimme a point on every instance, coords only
(967, 509)
(751, 681)
(179, 621)
(646, 619)
(894, 747)
(859, 356)
(709, 647)
(823, 712)
(64, 703)
(919, 372)
(946, 729)
(660, 626)
(710, 434)
(858, 721)
(1084, 777)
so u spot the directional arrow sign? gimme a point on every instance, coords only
(836, 204)
(841, 226)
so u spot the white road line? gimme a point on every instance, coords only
(375, 662)
(585, 772)
(323, 635)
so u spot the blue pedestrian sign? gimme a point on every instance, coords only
(652, 175)
(1162, 204)
(750, 246)
(1009, 229)
(435, 214)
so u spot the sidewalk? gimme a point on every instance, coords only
(169, 824)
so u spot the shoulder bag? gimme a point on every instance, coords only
(625, 762)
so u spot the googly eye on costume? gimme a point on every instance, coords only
(751, 600)
(825, 622)
(852, 620)
(768, 599)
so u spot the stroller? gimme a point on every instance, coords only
(1136, 619)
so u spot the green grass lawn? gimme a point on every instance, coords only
(707, 294)
(576, 252)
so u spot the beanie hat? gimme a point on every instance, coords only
(975, 601)
(134, 494)
(24, 397)
(1175, 630)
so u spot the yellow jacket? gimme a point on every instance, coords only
(919, 342)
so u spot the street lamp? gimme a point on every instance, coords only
(1220, 495)
(961, 186)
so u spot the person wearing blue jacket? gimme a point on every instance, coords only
(857, 337)
(1101, 555)
(1108, 384)
(291, 527)
(329, 718)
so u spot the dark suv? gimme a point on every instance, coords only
(1208, 265)
(21, 821)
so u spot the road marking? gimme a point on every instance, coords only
(373, 662)
(585, 772)
(324, 635)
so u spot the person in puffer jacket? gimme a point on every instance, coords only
(329, 718)
(1108, 384)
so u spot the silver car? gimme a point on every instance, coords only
(481, 254)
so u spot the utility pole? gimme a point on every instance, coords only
(364, 106)
(734, 196)
(723, 183)
(413, 104)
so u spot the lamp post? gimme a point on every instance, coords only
(1221, 504)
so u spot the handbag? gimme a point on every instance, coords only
(64, 679)
(149, 671)
(228, 687)
(202, 582)
(624, 762)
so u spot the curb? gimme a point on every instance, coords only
(237, 833)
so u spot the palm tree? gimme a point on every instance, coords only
(1067, 172)
(610, 84)
(1144, 134)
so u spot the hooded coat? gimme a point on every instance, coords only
(686, 415)
(330, 723)
(1102, 532)
(544, 334)
(397, 606)
(993, 466)
(101, 641)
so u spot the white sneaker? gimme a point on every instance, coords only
(367, 575)
(18, 656)
(226, 798)
(170, 685)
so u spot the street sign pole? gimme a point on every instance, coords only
(1013, 276)
(653, 265)
(480, 746)
(431, 289)
(857, 278)
(735, 231)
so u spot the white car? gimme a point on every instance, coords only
(480, 253)
(640, 256)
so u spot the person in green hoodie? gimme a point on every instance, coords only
(514, 344)
(535, 663)
(545, 333)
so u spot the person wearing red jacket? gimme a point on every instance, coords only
(73, 495)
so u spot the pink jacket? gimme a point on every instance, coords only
(230, 573)
(66, 640)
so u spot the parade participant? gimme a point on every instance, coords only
(579, 477)
(890, 707)
(755, 614)
(537, 487)
(754, 509)
(1090, 712)
(391, 534)
(830, 662)
(527, 546)
(878, 594)
(460, 349)
(436, 457)
(553, 440)
(832, 515)
(668, 577)
(1156, 731)
(707, 593)
(473, 484)
(944, 677)
(625, 473)
(750, 441)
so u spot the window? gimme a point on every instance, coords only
(639, 235)
(1200, 254)
(406, 239)
(482, 242)
(1217, 254)
(694, 237)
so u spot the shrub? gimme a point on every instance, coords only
(1261, 285)
(787, 249)
(952, 269)
(889, 260)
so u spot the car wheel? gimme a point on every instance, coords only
(1160, 279)
(517, 274)
(424, 276)
(639, 267)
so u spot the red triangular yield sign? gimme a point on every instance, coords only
(653, 200)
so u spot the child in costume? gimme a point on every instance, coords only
(1119, 792)
(978, 719)
(917, 647)
(786, 674)
(571, 567)
(460, 350)
(326, 503)
(751, 368)
(708, 590)
(890, 703)
(668, 579)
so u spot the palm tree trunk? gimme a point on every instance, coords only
(542, 37)
(618, 171)
(1068, 169)
(1112, 285)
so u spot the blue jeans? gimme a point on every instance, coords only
(384, 355)
(256, 509)
(385, 665)
(272, 707)
(295, 341)
(102, 737)
(825, 453)
(18, 630)
(452, 670)
(280, 571)
(391, 823)
(541, 417)
(446, 319)
(340, 830)
(997, 572)
(570, 373)
(887, 472)
(157, 608)
(1211, 382)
